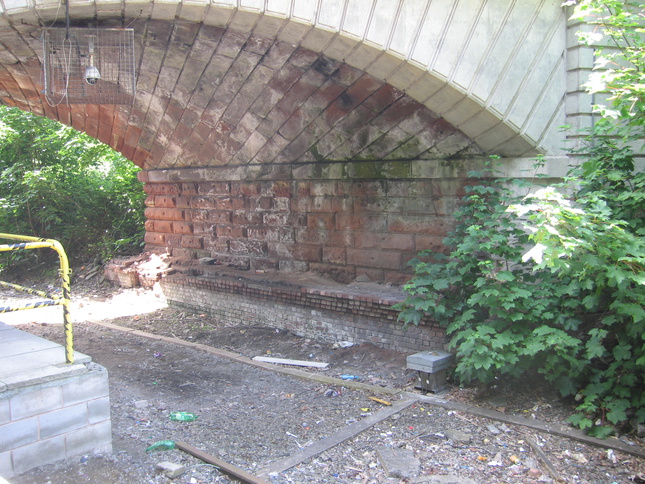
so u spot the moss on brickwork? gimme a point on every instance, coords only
(379, 170)
(314, 152)
(409, 150)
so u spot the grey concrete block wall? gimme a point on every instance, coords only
(52, 421)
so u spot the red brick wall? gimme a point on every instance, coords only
(323, 315)
(341, 227)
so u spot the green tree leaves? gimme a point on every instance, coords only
(545, 284)
(555, 282)
(58, 183)
(616, 33)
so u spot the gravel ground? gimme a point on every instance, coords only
(252, 417)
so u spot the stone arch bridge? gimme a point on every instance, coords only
(315, 135)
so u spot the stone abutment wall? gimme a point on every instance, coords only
(343, 220)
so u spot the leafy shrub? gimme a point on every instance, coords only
(596, 241)
(563, 299)
(555, 282)
(501, 315)
(58, 183)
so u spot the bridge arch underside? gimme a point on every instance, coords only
(266, 155)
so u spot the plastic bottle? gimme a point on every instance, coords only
(350, 377)
(183, 417)
(161, 445)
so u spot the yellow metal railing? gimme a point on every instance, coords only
(51, 300)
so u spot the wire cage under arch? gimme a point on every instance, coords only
(89, 66)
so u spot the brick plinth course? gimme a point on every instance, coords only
(323, 314)
(43, 423)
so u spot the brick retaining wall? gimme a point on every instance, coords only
(288, 219)
(323, 314)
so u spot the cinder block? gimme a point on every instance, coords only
(95, 438)
(5, 414)
(90, 386)
(6, 464)
(20, 432)
(38, 454)
(63, 420)
(98, 410)
(37, 401)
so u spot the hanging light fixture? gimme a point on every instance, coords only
(92, 74)
(88, 65)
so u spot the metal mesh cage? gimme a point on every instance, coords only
(89, 66)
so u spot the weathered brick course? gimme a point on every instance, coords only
(325, 314)
(182, 228)
(340, 224)
(162, 201)
(164, 213)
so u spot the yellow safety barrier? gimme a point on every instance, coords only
(51, 300)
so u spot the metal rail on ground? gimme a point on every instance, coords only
(63, 299)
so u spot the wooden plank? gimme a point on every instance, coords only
(220, 464)
(285, 361)
(336, 438)
(545, 460)
(549, 428)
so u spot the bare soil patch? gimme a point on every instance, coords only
(252, 417)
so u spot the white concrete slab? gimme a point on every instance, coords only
(26, 359)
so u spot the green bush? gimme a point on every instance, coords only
(546, 285)
(554, 283)
(501, 315)
(596, 240)
(58, 183)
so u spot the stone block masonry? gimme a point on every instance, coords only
(323, 312)
(296, 218)
(46, 422)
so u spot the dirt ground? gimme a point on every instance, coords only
(253, 418)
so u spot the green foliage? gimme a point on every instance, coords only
(554, 283)
(500, 314)
(546, 284)
(58, 183)
(596, 241)
(616, 33)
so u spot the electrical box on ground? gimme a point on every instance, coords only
(431, 369)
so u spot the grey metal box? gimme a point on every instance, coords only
(431, 369)
(430, 361)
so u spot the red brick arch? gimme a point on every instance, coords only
(269, 156)
(264, 154)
